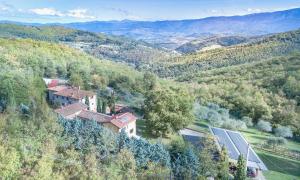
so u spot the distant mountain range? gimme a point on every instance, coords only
(174, 33)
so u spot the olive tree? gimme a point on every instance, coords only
(283, 131)
(264, 126)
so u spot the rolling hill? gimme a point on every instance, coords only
(184, 67)
(115, 48)
(212, 42)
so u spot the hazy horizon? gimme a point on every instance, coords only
(116, 10)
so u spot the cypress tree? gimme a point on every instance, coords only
(223, 165)
(241, 169)
(99, 105)
(87, 102)
(104, 105)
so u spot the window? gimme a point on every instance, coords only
(131, 131)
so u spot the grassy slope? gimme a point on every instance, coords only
(256, 137)
(280, 168)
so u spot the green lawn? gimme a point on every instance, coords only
(280, 168)
(200, 126)
(255, 137)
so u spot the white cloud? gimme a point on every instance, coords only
(5, 7)
(214, 11)
(46, 12)
(79, 13)
(74, 13)
(254, 10)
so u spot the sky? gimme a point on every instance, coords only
(63, 11)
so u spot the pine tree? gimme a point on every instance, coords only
(241, 169)
(223, 165)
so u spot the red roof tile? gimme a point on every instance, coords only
(71, 109)
(57, 88)
(74, 93)
(122, 120)
(90, 115)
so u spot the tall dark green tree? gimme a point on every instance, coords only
(99, 105)
(223, 166)
(87, 102)
(112, 103)
(240, 169)
(104, 106)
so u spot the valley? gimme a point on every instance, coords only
(239, 74)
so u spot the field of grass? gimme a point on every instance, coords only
(200, 126)
(256, 137)
(280, 168)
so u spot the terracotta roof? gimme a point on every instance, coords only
(90, 115)
(120, 108)
(71, 109)
(122, 120)
(57, 88)
(74, 93)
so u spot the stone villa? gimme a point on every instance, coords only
(72, 102)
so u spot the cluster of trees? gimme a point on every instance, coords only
(280, 131)
(200, 44)
(265, 90)
(41, 146)
(220, 117)
(184, 67)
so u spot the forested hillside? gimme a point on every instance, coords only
(115, 48)
(35, 143)
(266, 90)
(272, 46)
(203, 44)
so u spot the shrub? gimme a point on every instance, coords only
(248, 121)
(264, 126)
(276, 141)
(283, 131)
(234, 124)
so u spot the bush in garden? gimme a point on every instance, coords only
(264, 126)
(275, 141)
(248, 121)
(283, 131)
